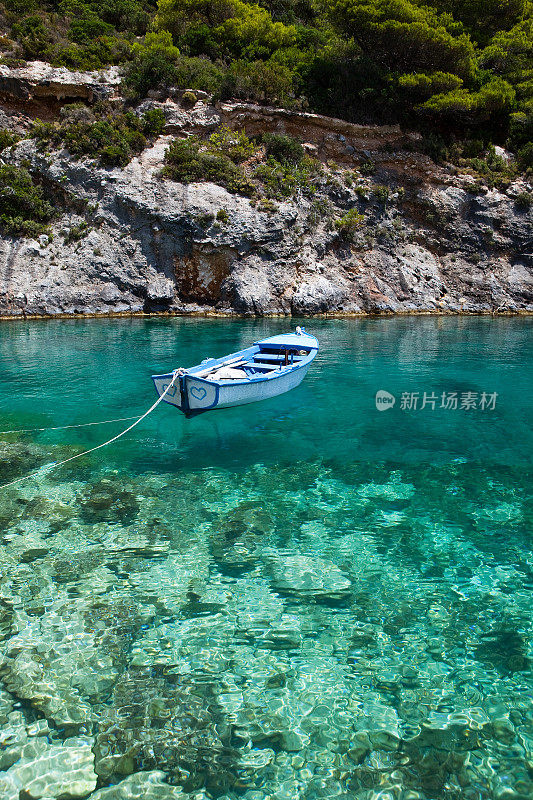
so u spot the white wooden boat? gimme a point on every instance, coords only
(267, 368)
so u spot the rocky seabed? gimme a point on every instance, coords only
(226, 636)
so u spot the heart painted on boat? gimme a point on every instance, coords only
(171, 392)
(198, 393)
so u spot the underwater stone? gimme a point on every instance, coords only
(16, 459)
(256, 759)
(284, 632)
(141, 786)
(38, 728)
(294, 741)
(13, 737)
(62, 771)
(395, 490)
(6, 703)
(308, 576)
(359, 747)
(167, 584)
(54, 662)
(237, 533)
(9, 790)
(72, 566)
(154, 722)
(109, 501)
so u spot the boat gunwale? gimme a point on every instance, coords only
(252, 351)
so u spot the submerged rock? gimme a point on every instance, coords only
(13, 737)
(237, 535)
(55, 663)
(141, 786)
(16, 459)
(109, 501)
(308, 576)
(52, 770)
(159, 721)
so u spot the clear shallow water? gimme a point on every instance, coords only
(303, 598)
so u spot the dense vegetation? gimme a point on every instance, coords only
(462, 70)
(272, 167)
(24, 209)
(111, 137)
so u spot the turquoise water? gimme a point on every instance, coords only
(302, 598)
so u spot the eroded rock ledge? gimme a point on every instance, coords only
(156, 246)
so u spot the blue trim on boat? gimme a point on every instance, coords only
(184, 395)
(216, 384)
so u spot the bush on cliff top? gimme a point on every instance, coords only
(456, 69)
(80, 34)
(153, 65)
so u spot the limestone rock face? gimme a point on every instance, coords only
(38, 80)
(153, 245)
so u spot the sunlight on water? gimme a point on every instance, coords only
(307, 597)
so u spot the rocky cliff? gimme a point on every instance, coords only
(130, 242)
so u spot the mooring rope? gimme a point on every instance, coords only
(54, 464)
(64, 427)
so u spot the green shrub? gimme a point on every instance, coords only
(473, 148)
(153, 65)
(267, 206)
(319, 210)
(233, 144)
(222, 215)
(521, 126)
(45, 134)
(22, 6)
(188, 99)
(233, 29)
(189, 160)
(435, 146)
(87, 28)
(7, 139)
(259, 81)
(348, 224)
(95, 54)
(284, 149)
(33, 36)
(153, 122)
(198, 73)
(205, 219)
(281, 180)
(24, 210)
(76, 232)
(111, 137)
(524, 201)
(367, 168)
(381, 193)
(525, 156)
(493, 169)
(419, 86)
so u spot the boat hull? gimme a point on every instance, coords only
(194, 395)
(272, 366)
